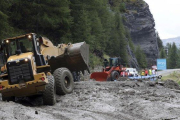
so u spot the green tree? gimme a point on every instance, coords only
(122, 7)
(162, 53)
(5, 27)
(128, 36)
(81, 28)
(141, 57)
(121, 36)
(178, 61)
(173, 57)
(51, 18)
(97, 32)
(160, 43)
(4, 24)
(62, 21)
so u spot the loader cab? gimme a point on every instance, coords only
(24, 44)
(114, 62)
(18, 45)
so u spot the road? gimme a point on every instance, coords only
(167, 72)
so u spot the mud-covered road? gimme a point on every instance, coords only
(120, 100)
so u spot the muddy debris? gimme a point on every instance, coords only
(171, 84)
(116, 100)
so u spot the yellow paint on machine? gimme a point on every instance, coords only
(28, 55)
(24, 89)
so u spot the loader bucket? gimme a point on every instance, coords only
(75, 58)
(99, 76)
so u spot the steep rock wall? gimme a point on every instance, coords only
(140, 23)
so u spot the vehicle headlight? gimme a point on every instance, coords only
(26, 59)
(7, 41)
(29, 36)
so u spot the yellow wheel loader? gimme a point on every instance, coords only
(32, 65)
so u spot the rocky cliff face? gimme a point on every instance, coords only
(132, 59)
(140, 23)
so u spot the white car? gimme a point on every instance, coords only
(132, 72)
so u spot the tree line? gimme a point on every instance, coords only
(97, 22)
(171, 53)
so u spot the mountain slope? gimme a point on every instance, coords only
(171, 40)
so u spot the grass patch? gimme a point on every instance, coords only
(173, 76)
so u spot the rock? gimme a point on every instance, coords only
(151, 83)
(132, 60)
(129, 91)
(36, 112)
(160, 83)
(140, 23)
(171, 84)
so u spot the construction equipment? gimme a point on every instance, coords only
(109, 73)
(32, 65)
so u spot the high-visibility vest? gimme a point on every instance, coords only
(150, 72)
(142, 73)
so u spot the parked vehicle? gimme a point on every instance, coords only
(132, 72)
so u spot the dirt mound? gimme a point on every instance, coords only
(171, 84)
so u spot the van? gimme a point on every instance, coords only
(132, 72)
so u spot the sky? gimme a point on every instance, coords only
(167, 17)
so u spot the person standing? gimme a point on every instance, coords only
(150, 72)
(142, 73)
(153, 72)
(146, 72)
(128, 73)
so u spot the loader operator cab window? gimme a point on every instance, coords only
(22, 45)
(38, 44)
(114, 62)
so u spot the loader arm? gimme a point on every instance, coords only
(75, 57)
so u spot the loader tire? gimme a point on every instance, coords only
(49, 96)
(12, 98)
(64, 81)
(114, 75)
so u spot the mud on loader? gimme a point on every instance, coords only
(31, 65)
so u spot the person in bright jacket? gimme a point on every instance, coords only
(150, 72)
(146, 72)
(142, 73)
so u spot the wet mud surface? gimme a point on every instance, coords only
(119, 100)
